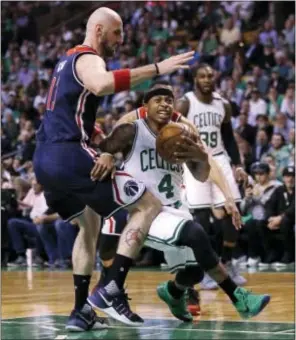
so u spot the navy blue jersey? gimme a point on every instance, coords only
(70, 108)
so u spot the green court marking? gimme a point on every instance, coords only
(53, 327)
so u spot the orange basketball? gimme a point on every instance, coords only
(169, 135)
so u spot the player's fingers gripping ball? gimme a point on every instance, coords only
(172, 138)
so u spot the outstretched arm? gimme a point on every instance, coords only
(91, 70)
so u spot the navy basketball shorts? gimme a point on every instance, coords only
(63, 169)
(114, 225)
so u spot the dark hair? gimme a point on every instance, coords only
(159, 82)
(282, 137)
(199, 67)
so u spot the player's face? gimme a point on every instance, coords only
(111, 40)
(160, 109)
(204, 80)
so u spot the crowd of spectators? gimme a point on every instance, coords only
(254, 60)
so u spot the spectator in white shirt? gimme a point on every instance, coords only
(39, 228)
(230, 34)
(257, 106)
(40, 98)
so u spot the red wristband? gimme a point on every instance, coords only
(122, 79)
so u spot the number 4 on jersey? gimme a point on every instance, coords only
(165, 186)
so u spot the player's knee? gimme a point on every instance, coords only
(149, 205)
(192, 235)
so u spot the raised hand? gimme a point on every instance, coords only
(175, 63)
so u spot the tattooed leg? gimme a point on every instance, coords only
(131, 240)
(141, 216)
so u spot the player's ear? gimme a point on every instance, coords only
(99, 30)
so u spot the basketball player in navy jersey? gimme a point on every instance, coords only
(63, 162)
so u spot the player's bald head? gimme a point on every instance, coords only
(104, 31)
(103, 16)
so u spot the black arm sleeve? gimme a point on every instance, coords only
(230, 143)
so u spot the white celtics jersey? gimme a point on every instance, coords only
(164, 180)
(208, 119)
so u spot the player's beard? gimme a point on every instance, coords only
(107, 50)
(208, 91)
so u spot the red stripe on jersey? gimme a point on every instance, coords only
(142, 114)
(81, 48)
(111, 230)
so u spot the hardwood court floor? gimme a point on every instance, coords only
(35, 305)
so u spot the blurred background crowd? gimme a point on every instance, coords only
(251, 46)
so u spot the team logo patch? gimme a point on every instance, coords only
(131, 188)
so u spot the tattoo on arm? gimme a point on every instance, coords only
(134, 236)
(120, 139)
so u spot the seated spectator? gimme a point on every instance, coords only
(280, 152)
(270, 160)
(254, 210)
(281, 125)
(10, 126)
(230, 34)
(268, 34)
(25, 146)
(267, 60)
(246, 130)
(273, 103)
(254, 53)
(277, 81)
(281, 216)
(282, 64)
(261, 146)
(262, 122)
(45, 228)
(23, 228)
(249, 89)
(288, 104)
(233, 92)
(257, 106)
(289, 33)
(260, 80)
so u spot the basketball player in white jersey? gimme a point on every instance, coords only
(174, 227)
(112, 227)
(211, 114)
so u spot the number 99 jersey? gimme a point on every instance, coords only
(208, 118)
